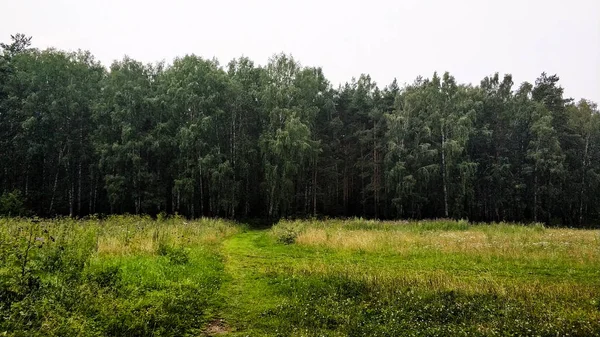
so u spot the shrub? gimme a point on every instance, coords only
(12, 203)
(286, 232)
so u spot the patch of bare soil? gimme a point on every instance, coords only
(216, 328)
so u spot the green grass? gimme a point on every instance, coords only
(126, 276)
(133, 276)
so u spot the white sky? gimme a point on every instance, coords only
(384, 38)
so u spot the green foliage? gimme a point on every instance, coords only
(12, 204)
(196, 138)
(286, 232)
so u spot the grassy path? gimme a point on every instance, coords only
(245, 292)
(252, 263)
(272, 289)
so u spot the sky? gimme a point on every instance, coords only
(386, 39)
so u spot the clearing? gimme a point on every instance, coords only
(133, 276)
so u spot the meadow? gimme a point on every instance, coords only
(137, 276)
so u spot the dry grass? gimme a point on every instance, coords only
(530, 263)
(443, 280)
(577, 246)
(144, 235)
(123, 235)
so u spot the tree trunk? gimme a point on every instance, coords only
(247, 199)
(444, 172)
(346, 184)
(362, 183)
(79, 181)
(535, 196)
(584, 169)
(91, 197)
(314, 190)
(375, 173)
(233, 166)
(60, 154)
(71, 197)
(307, 190)
(201, 189)
(95, 196)
(27, 181)
(192, 208)
(271, 200)
(79, 190)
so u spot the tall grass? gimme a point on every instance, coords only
(125, 275)
(502, 279)
(135, 276)
(445, 236)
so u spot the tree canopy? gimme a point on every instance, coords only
(198, 138)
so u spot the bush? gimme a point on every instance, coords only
(12, 203)
(286, 232)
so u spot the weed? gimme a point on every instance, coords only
(177, 255)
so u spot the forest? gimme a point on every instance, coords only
(197, 138)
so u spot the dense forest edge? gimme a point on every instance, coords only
(198, 138)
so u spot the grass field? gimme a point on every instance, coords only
(134, 276)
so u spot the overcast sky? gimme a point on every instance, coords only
(386, 39)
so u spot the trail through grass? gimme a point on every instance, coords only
(323, 285)
(134, 276)
(245, 292)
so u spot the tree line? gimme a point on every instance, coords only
(199, 138)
